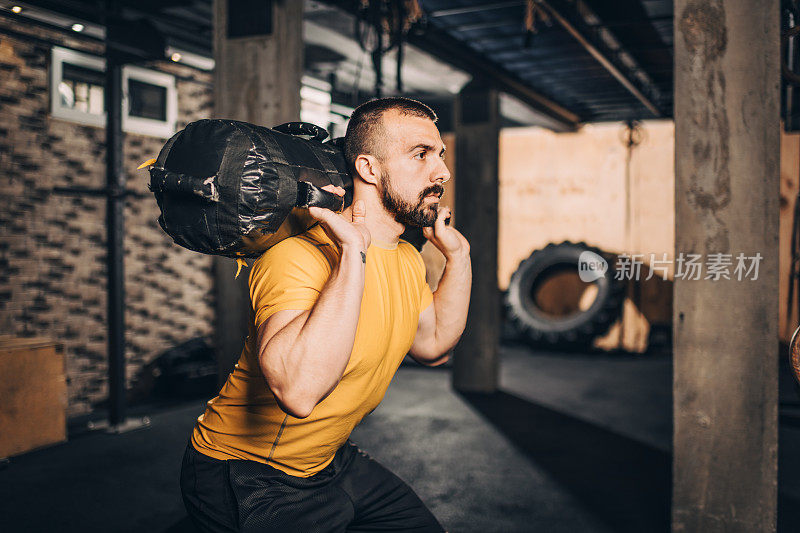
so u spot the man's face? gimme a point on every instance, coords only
(412, 168)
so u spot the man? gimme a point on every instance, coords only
(335, 310)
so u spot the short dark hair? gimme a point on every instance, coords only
(365, 123)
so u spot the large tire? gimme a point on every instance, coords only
(578, 325)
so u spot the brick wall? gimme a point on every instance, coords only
(52, 246)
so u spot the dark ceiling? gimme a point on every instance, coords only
(586, 61)
(558, 66)
(588, 56)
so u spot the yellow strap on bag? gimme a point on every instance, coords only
(241, 262)
(148, 163)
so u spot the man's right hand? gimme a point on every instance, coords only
(346, 233)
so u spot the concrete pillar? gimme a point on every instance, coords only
(726, 200)
(477, 127)
(259, 60)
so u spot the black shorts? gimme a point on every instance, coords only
(353, 493)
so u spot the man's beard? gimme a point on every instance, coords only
(404, 212)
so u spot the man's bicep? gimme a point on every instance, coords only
(424, 344)
(425, 338)
(290, 322)
(287, 318)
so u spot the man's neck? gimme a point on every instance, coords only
(383, 228)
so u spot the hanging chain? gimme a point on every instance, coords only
(533, 11)
(381, 26)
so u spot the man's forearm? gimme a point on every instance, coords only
(451, 301)
(311, 361)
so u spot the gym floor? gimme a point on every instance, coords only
(572, 442)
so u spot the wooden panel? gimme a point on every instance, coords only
(790, 162)
(33, 395)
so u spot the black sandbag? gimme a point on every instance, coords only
(231, 188)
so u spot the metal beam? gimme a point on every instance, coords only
(516, 49)
(115, 235)
(484, 25)
(572, 18)
(473, 9)
(628, 23)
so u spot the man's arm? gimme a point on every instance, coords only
(442, 323)
(303, 354)
(298, 371)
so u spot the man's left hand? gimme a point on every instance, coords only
(447, 239)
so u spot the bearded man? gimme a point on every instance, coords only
(335, 310)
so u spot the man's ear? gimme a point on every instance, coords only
(368, 167)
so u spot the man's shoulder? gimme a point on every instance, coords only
(297, 249)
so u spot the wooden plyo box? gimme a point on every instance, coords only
(33, 395)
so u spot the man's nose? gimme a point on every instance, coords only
(442, 173)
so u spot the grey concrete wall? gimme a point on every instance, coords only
(726, 200)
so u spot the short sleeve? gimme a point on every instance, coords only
(290, 275)
(427, 296)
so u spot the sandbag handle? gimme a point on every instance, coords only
(303, 128)
(165, 181)
(309, 195)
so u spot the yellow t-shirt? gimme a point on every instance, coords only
(245, 422)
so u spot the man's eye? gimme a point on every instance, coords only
(421, 155)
